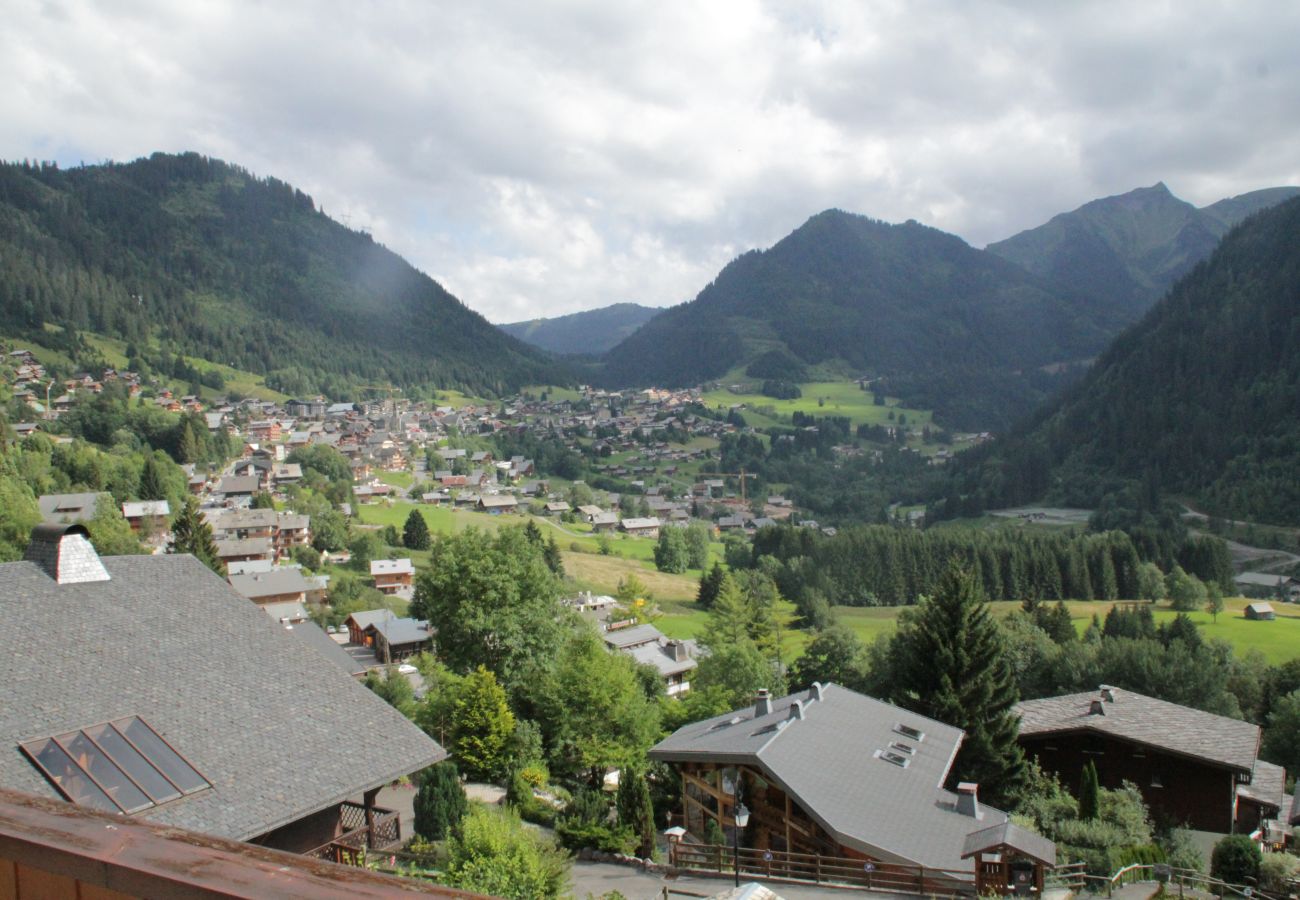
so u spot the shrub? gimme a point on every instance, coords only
(492, 853)
(1181, 851)
(1276, 870)
(440, 803)
(585, 822)
(1235, 859)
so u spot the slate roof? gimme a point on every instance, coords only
(280, 580)
(1009, 834)
(69, 507)
(391, 567)
(272, 756)
(244, 547)
(660, 656)
(239, 484)
(311, 635)
(1145, 720)
(291, 610)
(1267, 785)
(827, 762)
(403, 631)
(623, 638)
(366, 618)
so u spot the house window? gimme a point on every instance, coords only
(119, 766)
(1157, 780)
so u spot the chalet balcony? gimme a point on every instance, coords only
(357, 837)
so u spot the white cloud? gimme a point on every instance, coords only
(543, 158)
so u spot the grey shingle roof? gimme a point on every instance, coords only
(309, 633)
(1146, 720)
(622, 638)
(403, 631)
(280, 580)
(273, 754)
(1267, 785)
(69, 507)
(827, 761)
(1011, 835)
(658, 655)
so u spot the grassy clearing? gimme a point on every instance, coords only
(1278, 640)
(397, 479)
(603, 573)
(821, 398)
(553, 392)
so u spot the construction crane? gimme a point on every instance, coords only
(742, 475)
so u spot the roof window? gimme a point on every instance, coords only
(900, 747)
(119, 766)
(908, 731)
(897, 759)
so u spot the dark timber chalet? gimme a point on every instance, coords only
(1192, 767)
(146, 686)
(833, 773)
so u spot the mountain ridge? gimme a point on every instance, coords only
(589, 332)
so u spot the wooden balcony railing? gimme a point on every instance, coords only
(349, 848)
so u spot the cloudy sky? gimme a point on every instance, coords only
(543, 157)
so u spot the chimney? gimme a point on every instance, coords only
(762, 703)
(815, 692)
(968, 801)
(1108, 693)
(65, 553)
(1096, 708)
(678, 651)
(796, 710)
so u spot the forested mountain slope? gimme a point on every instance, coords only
(1200, 398)
(219, 264)
(949, 327)
(590, 332)
(1126, 251)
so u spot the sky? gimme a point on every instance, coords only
(539, 158)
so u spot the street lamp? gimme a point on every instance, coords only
(742, 819)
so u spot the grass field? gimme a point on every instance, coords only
(837, 398)
(1278, 640)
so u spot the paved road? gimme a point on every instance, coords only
(601, 878)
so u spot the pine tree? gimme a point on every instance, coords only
(551, 553)
(415, 533)
(188, 448)
(710, 584)
(192, 534)
(635, 810)
(952, 666)
(1089, 792)
(441, 802)
(152, 484)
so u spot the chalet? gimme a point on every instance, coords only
(147, 516)
(239, 488)
(556, 508)
(816, 770)
(496, 505)
(286, 473)
(648, 645)
(242, 524)
(392, 576)
(1260, 612)
(283, 584)
(435, 498)
(266, 431)
(286, 613)
(396, 639)
(359, 624)
(1192, 767)
(187, 734)
(291, 530)
(1263, 584)
(640, 527)
(239, 550)
(69, 508)
(589, 512)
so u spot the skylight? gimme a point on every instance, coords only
(890, 756)
(119, 766)
(900, 747)
(908, 731)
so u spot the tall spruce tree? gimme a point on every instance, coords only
(952, 666)
(153, 485)
(441, 802)
(192, 534)
(635, 811)
(415, 533)
(1089, 792)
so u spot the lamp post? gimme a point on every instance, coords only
(742, 819)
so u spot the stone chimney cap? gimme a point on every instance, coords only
(65, 553)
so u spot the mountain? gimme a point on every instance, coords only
(583, 333)
(1199, 399)
(949, 327)
(197, 256)
(1126, 251)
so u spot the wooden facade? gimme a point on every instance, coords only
(1188, 791)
